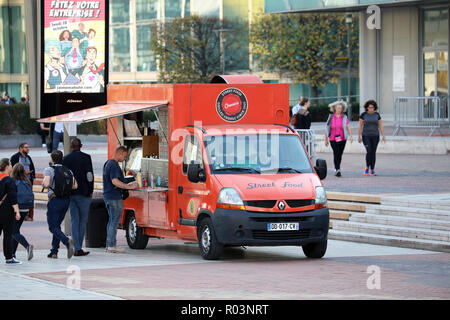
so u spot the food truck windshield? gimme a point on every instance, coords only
(256, 154)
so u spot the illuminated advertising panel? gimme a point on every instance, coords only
(74, 55)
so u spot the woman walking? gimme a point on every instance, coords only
(8, 209)
(25, 199)
(304, 116)
(369, 130)
(338, 131)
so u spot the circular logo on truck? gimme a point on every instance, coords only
(231, 105)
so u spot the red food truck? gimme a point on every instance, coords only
(216, 163)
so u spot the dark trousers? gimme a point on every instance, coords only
(6, 227)
(44, 135)
(371, 144)
(56, 211)
(338, 150)
(16, 236)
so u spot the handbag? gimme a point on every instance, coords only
(294, 120)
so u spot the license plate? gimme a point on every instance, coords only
(282, 226)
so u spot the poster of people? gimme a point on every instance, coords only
(74, 45)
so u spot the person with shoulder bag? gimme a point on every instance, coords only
(337, 132)
(25, 199)
(9, 209)
(113, 183)
(60, 181)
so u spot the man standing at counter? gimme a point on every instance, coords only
(113, 181)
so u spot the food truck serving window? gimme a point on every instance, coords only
(192, 152)
(256, 154)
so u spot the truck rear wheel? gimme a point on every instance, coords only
(315, 250)
(210, 248)
(135, 235)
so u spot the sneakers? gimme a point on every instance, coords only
(70, 250)
(115, 250)
(366, 172)
(44, 145)
(30, 252)
(13, 261)
(372, 172)
(337, 172)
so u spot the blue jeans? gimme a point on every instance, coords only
(16, 236)
(79, 212)
(115, 209)
(57, 137)
(56, 211)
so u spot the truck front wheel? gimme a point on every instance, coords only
(315, 250)
(135, 235)
(210, 248)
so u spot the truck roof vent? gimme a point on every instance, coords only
(236, 79)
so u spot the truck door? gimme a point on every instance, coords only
(190, 195)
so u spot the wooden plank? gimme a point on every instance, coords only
(339, 215)
(346, 206)
(354, 197)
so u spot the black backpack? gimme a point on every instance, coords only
(63, 181)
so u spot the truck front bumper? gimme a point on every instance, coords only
(245, 228)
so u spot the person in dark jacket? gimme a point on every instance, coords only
(80, 164)
(9, 209)
(304, 116)
(24, 158)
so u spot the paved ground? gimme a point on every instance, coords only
(174, 270)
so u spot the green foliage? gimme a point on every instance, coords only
(15, 119)
(303, 45)
(188, 49)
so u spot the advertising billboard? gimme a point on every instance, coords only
(74, 36)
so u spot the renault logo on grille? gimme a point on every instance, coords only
(281, 205)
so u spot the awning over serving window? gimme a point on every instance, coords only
(104, 112)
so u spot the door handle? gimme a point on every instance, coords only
(180, 189)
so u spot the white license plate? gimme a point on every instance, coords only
(282, 226)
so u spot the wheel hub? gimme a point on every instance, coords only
(206, 239)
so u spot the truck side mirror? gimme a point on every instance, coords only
(195, 173)
(321, 168)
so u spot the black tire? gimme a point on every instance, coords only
(136, 238)
(210, 248)
(315, 250)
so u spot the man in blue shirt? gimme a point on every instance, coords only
(113, 180)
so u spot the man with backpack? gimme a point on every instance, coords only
(60, 182)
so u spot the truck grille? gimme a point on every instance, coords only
(300, 203)
(261, 203)
(268, 204)
(281, 235)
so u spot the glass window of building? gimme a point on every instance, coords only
(435, 27)
(145, 57)
(146, 9)
(120, 11)
(206, 8)
(12, 40)
(120, 50)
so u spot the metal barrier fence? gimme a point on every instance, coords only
(421, 112)
(309, 139)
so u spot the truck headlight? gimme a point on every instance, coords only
(229, 198)
(321, 196)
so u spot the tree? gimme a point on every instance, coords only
(188, 49)
(303, 45)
